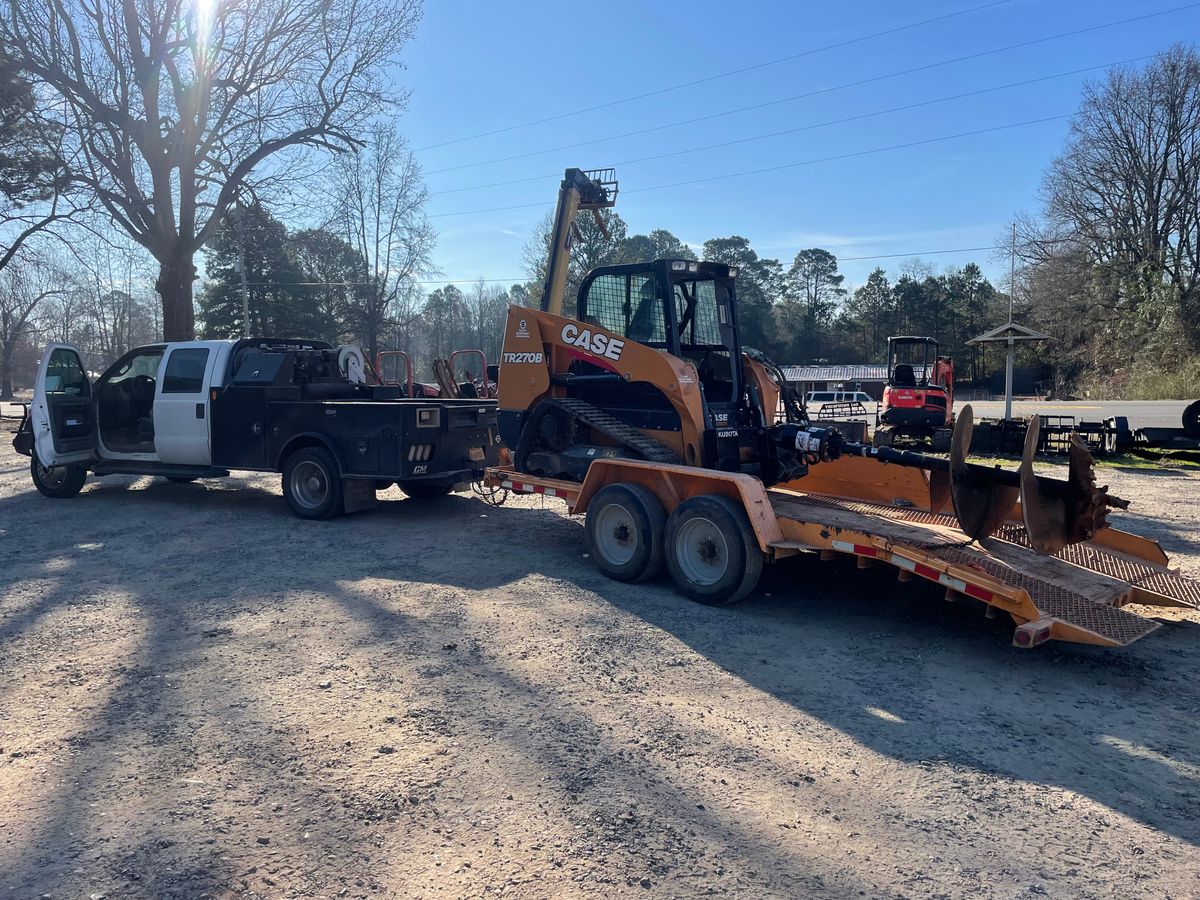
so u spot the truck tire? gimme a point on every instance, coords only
(59, 482)
(312, 484)
(425, 490)
(1191, 419)
(711, 550)
(624, 532)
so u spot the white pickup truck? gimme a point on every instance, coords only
(199, 409)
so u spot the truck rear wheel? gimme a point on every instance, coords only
(59, 482)
(424, 490)
(312, 484)
(712, 552)
(1191, 419)
(624, 532)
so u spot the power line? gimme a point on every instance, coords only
(709, 78)
(812, 126)
(342, 284)
(826, 90)
(842, 259)
(793, 165)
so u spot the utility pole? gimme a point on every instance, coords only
(241, 266)
(1012, 290)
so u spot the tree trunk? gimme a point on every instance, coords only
(6, 355)
(174, 286)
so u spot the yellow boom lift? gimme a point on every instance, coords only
(688, 451)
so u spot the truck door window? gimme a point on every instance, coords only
(64, 374)
(185, 371)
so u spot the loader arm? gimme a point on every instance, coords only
(594, 190)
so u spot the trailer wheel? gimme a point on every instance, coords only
(883, 437)
(1191, 419)
(424, 490)
(712, 552)
(941, 440)
(624, 532)
(59, 482)
(312, 484)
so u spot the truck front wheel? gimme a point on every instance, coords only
(59, 482)
(312, 485)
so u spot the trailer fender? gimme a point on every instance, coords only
(674, 484)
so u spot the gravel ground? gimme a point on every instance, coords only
(203, 696)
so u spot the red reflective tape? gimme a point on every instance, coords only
(979, 593)
(865, 551)
(927, 572)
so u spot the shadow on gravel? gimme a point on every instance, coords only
(601, 778)
(890, 664)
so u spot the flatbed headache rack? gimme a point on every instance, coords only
(1078, 595)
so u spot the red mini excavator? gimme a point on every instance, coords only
(918, 400)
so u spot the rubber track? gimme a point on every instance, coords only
(627, 435)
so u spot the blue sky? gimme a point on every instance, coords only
(480, 66)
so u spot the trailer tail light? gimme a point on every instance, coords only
(1033, 633)
(420, 452)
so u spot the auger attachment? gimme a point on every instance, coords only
(981, 500)
(1056, 513)
(1059, 513)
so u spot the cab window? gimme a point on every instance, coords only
(185, 371)
(64, 374)
(144, 364)
(628, 305)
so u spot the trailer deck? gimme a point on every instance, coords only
(1078, 595)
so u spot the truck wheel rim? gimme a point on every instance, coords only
(702, 551)
(52, 476)
(616, 536)
(310, 484)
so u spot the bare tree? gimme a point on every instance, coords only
(25, 283)
(1126, 191)
(174, 108)
(381, 211)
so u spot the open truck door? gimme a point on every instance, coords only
(63, 412)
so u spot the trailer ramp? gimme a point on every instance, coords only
(1076, 595)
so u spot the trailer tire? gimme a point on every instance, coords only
(312, 484)
(624, 532)
(425, 490)
(58, 482)
(941, 440)
(1191, 419)
(712, 552)
(883, 437)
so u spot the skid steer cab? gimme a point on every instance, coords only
(650, 368)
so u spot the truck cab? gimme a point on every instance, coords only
(151, 405)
